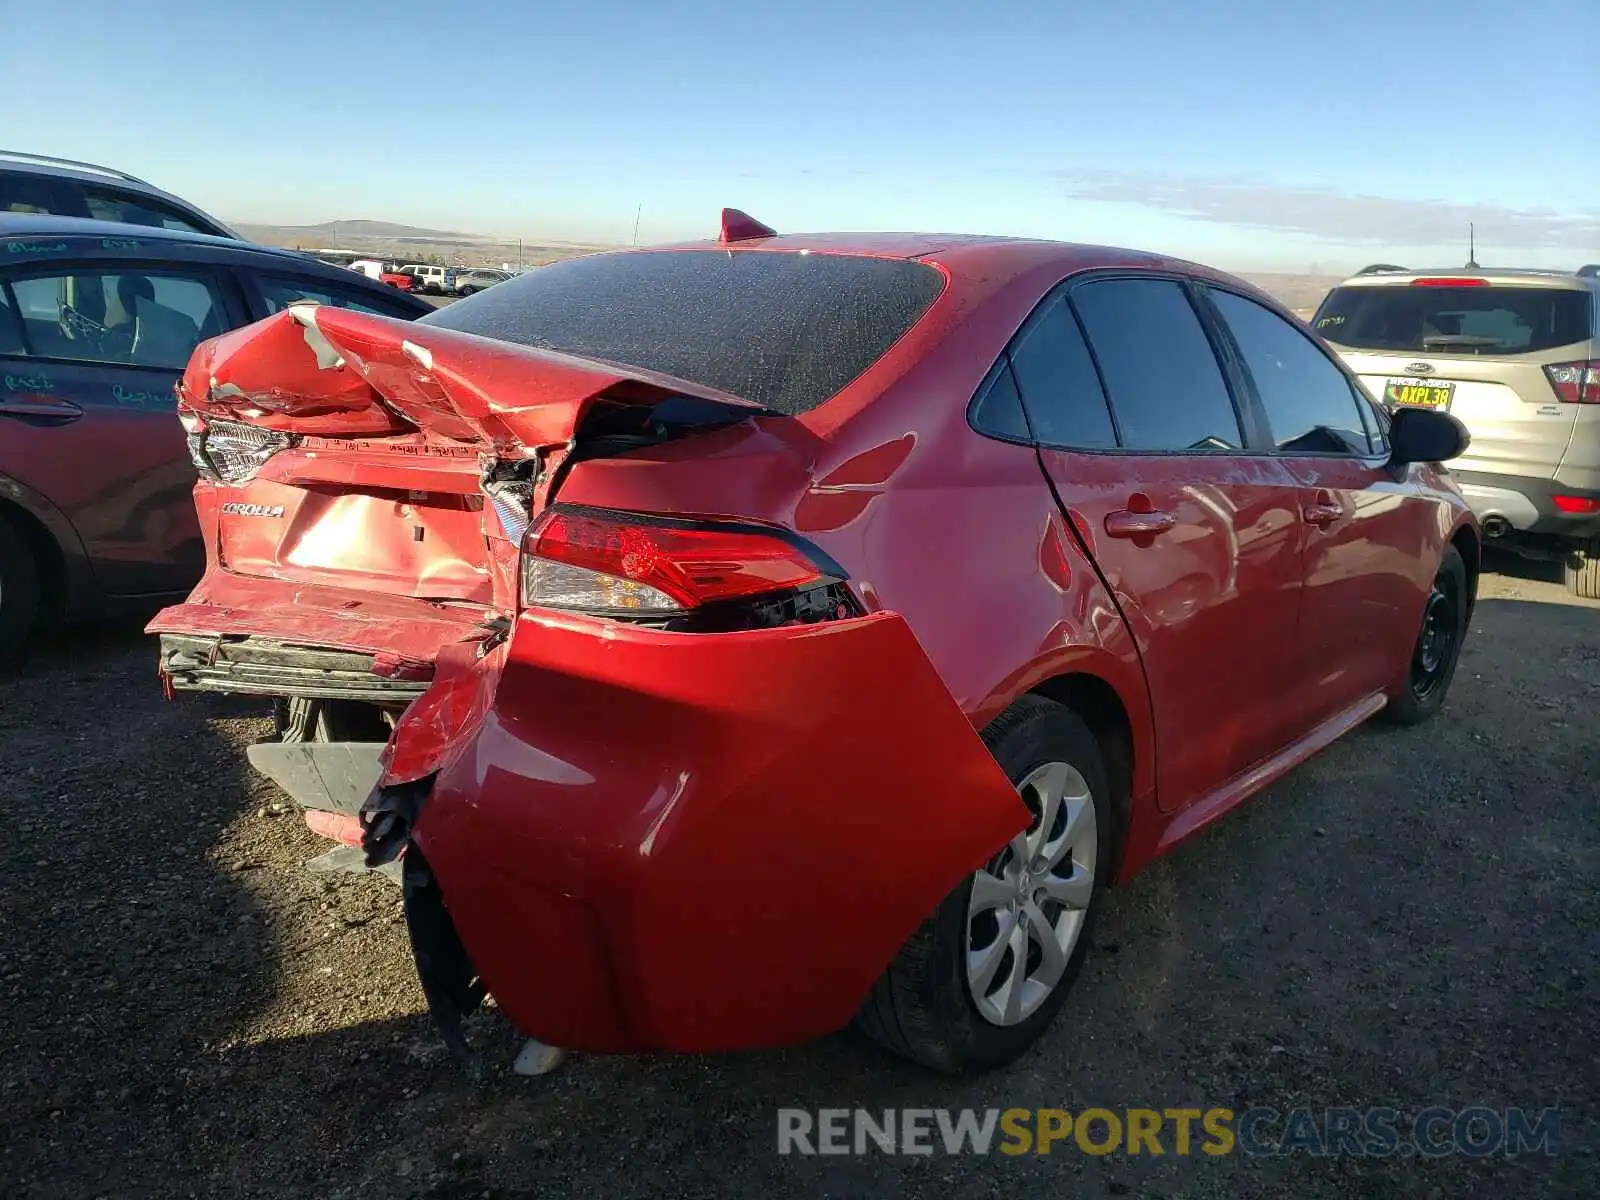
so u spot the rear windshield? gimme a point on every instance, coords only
(1454, 320)
(779, 328)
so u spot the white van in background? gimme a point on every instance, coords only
(429, 278)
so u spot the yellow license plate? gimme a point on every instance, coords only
(1418, 393)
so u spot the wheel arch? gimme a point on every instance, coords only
(56, 578)
(58, 540)
(1102, 709)
(1470, 546)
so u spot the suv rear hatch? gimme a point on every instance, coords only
(1509, 356)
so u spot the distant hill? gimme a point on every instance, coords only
(1303, 293)
(332, 232)
(391, 241)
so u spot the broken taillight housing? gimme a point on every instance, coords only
(229, 451)
(645, 567)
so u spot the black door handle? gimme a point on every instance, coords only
(51, 410)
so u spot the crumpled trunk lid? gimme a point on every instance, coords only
(402, 465)
(330, 371)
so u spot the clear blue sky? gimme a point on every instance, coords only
(1256, 135)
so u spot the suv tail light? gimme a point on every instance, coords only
(229, 451)
(1577, 505)
(1576, 382)
(644, 567)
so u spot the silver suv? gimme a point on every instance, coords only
(1516, 356)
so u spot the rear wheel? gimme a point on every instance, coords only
(985, 975)
(1438, 648)
(19, 591)
(300, 719)
(1583, 570)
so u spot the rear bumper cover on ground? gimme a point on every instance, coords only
(662, 841)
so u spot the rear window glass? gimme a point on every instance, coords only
(1454, 320)
(779, 328)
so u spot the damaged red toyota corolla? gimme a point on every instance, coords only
(792, 630)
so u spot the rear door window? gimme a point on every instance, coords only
(1160, 371)
(280, 291)
(781, 328)
(1454, 320)
(1309, 403)
(136, 210)
(21, 192)
(129, 317)
(1065, 402)
(10, 328)
(999, 408)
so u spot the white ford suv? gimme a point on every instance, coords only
(1516, 356)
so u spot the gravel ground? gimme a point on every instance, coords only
(1411, 919)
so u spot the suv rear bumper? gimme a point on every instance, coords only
(1527, 505)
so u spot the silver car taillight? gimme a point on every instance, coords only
(229, 451)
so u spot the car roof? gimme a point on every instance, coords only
(16, 226)
(991, 263)
(18, 229)
(971, 252)
(21, 163)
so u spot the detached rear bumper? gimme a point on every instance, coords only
(269, 637)
(262, 667)
(671, 841)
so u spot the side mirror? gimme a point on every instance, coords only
(1425, 436)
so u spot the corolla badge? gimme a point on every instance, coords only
(235, 509)
(1419, 368)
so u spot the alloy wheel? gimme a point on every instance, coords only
(1029, 903)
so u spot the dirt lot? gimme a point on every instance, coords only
(1409, 920)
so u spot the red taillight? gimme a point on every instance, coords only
(1449, 281)
(1576, 382)
(605, 561)
(1577, 505)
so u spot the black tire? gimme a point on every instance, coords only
(303, 720)
(1433, 665)
(922, 1007)
(20, 591)
(1582, 570)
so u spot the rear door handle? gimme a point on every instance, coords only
(1323, 512)
(54, 410)
(1125, 523)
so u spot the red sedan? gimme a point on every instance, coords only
(789, 631)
